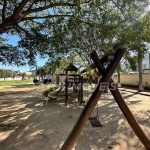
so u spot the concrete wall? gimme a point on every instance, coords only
(133, 79)
(10, 79)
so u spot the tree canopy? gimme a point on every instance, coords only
(56, 29)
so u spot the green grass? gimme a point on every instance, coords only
(27, 86)
(87, 84)
(43, 85)
(7, 83)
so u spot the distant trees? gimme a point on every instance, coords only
(57, 29)
(5, 73)
(14, 74)
(23, 75)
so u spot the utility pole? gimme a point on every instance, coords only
(12, 75)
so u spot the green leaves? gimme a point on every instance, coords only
(56, 29)
(5, 73)
(12, 55)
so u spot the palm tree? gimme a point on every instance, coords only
(41, 71)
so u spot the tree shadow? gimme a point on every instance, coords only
(47, 127)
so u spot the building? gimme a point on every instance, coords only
(21, 71)
(146, 64)
(33, 71)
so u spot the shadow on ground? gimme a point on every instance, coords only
(28, 124)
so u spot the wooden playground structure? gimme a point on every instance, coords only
(105, 80)
(71, 80)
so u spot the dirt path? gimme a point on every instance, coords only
(27, 124)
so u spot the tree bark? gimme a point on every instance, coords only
(118, 76)
(118, 72)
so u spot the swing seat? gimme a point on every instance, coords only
(95, 122)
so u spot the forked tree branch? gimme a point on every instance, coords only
(19, 8)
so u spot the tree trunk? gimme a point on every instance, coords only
(118, 76)
(96, 80)
(141, 87)
(42, 77)
(118, 72)
(90, 80)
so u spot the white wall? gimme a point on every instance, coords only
(146, 62)
(133, 79)
(10, 79)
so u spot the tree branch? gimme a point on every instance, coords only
(90, 24)
(48, 6)
(19, 9)
(25, 31)
(34, 2)
(4, 10)
(31, 5)
(49, 16)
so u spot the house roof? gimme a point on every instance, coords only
(71, 67)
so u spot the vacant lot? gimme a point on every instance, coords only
(28, 124)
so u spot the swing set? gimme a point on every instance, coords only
(95, 122)
(94, 119)
(92, 102)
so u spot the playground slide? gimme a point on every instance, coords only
(60, 89)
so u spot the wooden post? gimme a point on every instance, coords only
(66, 92)
(81, 90)
(124, 108)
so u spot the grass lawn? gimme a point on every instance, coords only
(6, 83)
(27, 86)
(43, 85)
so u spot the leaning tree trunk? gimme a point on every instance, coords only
(141, 86)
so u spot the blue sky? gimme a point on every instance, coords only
(13, 40)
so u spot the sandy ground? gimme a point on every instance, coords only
(28, 124)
